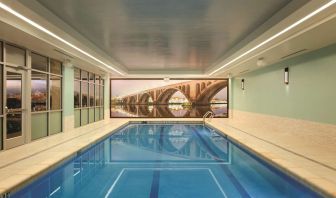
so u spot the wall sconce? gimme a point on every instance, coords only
(286, 76)
(243, 84)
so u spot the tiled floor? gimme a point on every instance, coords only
(289, 151)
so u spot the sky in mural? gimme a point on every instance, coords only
(125, 87)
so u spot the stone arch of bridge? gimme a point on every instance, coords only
(144, 98)
(165, 96)
(209, 92)
(131, 100)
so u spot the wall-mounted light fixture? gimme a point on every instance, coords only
(243, 84)
(286, 76)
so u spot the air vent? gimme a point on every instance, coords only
(244, 71)
(61, 52)
(294, 53)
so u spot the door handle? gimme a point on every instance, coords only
(13, 110)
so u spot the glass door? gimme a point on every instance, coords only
(14, 114)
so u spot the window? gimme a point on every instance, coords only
(45, 80)
(39, 91)
(15, 55)
(55, 92)
(88, 100)
(1, 52)
(1, 90)
(46, 96)
(77, 73)
(92, 78)
(97, 95)
(1, 93)
(84, 94)
(39, 62)
(92, 94)
(84, 75)
(77, 94)
(55, 67)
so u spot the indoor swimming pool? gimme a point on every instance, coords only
(165, 160)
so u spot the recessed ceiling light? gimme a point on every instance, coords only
(261, 62)
(43, 29)
(310, 15)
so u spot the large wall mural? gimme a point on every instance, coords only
(170, 98)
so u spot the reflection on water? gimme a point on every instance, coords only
(171, 110)
(168, 143)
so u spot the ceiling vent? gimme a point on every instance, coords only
(294, 53)
(244, 71)
(63, 53)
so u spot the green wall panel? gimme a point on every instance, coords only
(39, 126)
(101, 113)
(77, 117)
(55, 122)
(84, 116)
(91, 115)
(310, 94)
(97, 114)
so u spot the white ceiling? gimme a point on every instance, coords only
(190, 38)
(165, 35)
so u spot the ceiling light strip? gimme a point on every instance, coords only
(320, 9)
(43, 29)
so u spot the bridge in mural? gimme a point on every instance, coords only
(198, 92)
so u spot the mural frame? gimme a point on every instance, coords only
(110, 95)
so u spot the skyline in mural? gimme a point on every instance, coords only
(173, 98)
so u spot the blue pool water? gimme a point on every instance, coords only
(165, 161)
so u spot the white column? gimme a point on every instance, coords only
(107, 96)
(68, 97)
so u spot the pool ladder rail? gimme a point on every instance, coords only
(206, 116)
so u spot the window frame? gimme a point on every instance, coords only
(48, 110)
(97, 81)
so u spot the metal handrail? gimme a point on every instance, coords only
(206, 115)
